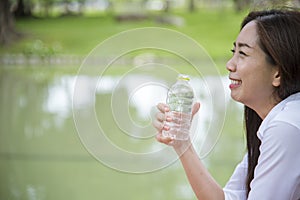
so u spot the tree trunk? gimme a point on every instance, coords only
(192, 6)
(23, 9)
(66, 7)
(167, 6)
(8, 33)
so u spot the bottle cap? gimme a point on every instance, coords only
(183, 77)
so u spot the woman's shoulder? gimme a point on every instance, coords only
(286, 112)
(290, 112)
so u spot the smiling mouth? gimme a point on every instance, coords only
(235, 83)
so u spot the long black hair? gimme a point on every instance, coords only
(279, 38)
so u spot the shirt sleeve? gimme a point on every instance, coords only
(235, 188)
(276, 175)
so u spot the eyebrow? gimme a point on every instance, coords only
(242, 45)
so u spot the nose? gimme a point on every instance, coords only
(231, 64)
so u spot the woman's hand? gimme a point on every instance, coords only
(160, 124)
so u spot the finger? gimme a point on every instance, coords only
(196, 108)
(162, 107)
(166, 140)
(160, 116)
(160, 126)
(163, 117)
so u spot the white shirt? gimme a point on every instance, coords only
(277, 174)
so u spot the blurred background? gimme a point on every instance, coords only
(43, 43)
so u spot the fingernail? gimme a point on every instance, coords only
(169, 118)
(166, 109)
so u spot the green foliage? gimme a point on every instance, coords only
(39, 48)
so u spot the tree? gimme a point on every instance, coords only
(23, 9)
(7, 24)
(167, 5)
(241, 4)
(191, 5)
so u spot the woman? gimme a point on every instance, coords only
(265, 76)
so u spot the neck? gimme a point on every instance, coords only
(263, 109)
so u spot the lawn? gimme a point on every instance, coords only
(215, 30)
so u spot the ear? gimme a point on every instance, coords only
(276, 79)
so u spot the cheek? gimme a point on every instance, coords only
(258, 84)
(255, 72)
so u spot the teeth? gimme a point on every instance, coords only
(235, 82)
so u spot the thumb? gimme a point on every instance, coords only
(195, 108)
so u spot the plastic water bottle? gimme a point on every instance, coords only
(180, 101)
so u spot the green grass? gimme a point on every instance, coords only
(215, 30)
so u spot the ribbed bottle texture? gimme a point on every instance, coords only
(180, 100)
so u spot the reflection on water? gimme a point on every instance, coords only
(60, 96)
(42, 157)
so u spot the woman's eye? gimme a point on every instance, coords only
(242, 53)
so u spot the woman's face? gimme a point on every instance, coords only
(253, 79)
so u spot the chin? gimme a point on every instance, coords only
(236, 98)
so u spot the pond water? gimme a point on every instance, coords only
(69, 136)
